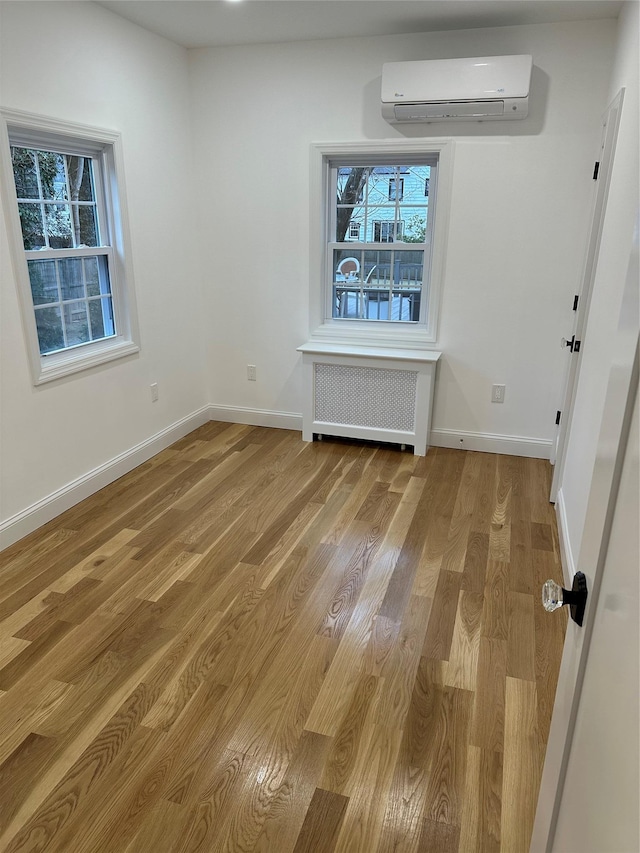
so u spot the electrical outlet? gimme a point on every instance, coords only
(497, 393)
(154, 392)
(251, 372)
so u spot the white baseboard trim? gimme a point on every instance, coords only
(566, 553)
(44, 510)
(512, 445)
(256, 417)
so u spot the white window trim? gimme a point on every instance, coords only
(27, 129)
(323, 328)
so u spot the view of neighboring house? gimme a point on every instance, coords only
(380, 204)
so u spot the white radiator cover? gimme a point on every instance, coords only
(363, 392)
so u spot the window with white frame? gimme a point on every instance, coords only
(378, 284)
(69, 244)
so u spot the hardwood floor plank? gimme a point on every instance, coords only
(19, 667)
(399, 671)
(403, 472)
(23, 712)
(521, 637)
(474, 571)
(453, 559)
(11, 647)
(486, 494)
(17, 771)
(337, 690)
(401, 581)
(462, 664)
(251, 643)
(521, 767)
(495, 615)
(402, 822)
(408, 794)
(549, 637)
(541, 537)
(287, 692)
(162, 829)
(381, 643)
(281, 523)
(21, 557)
(480, 823)
(322, 823)
(346, 597)
(59, 608)
(521, 574)
(437, 642)
(487, 728)
(445, 789)
(438, 836)
(368, 790)
(219, 785)
(283, 828)
(447, 494)
(14, 622)
(346, 744)
(357, 491)
(84, 775)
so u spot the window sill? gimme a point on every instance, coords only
(66, 363)
(357, 350)
(405, 338)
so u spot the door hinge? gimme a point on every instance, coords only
(596, 169)
(558, 416)
(576, 346)
(576, 299)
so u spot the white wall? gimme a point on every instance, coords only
(520, 209)
(615, 247)
(230, 286)
(77, 61)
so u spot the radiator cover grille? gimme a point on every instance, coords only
(365, 396)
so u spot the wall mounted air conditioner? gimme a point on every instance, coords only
(483, 88)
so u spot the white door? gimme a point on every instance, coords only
(612, 443)
(609, 135)
(600, 800)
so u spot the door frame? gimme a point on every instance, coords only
(610, 124)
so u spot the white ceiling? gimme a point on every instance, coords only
(207, 23)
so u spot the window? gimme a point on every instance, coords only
(393, 210)
(380, 213)
(396, 189)
(387, 232)
(69, 245)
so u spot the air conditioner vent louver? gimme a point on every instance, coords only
(461, 109)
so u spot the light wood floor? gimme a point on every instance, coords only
(254, 644)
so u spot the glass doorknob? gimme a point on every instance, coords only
(554, 596)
